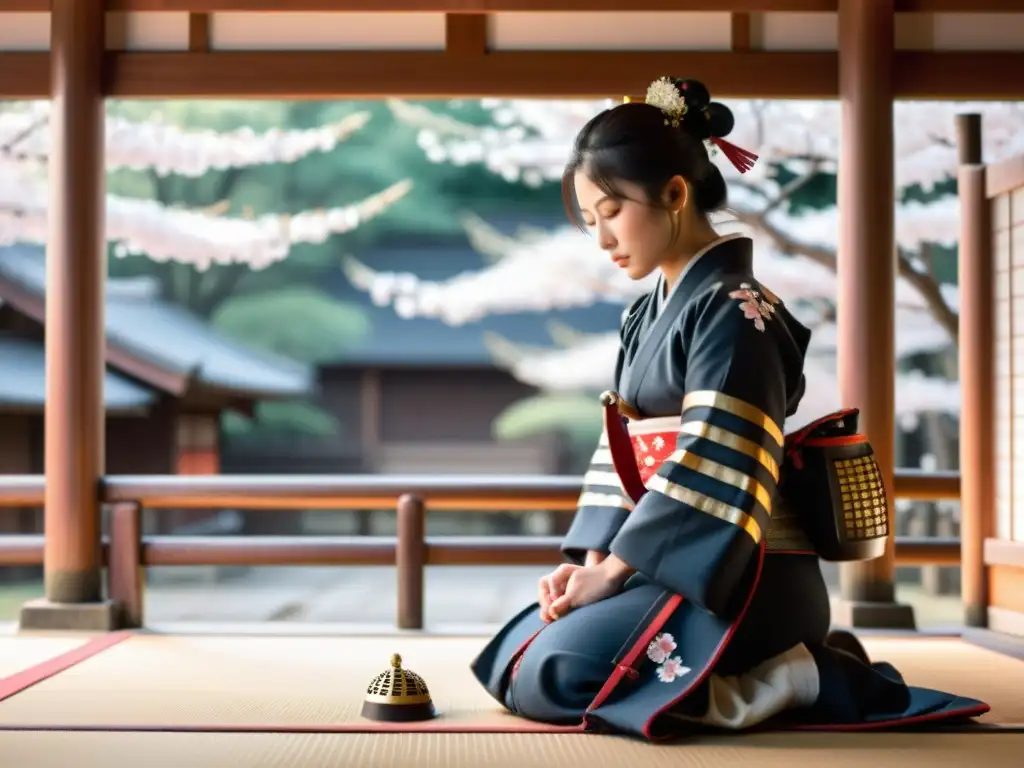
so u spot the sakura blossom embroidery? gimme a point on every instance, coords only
(753, 305)
(660, 647)
(660, 652)
(671, 668)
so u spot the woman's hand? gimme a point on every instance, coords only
(580, 586)
(552, 587)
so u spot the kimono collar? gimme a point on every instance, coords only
(718, 246)
(732, 254)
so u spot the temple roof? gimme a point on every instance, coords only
(157, 342)
(23, 383)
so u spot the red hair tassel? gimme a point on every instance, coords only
(740, 158)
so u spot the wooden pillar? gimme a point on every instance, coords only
(867, 278)
(198, 444)
(75, 276)
(197, 453)
(977, 372)
(371, 432)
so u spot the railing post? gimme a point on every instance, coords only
(977, 371)
(125, 571)
(410, 560)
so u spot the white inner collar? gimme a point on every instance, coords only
(664, 293)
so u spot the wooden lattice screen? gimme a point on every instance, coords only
(1004, 554)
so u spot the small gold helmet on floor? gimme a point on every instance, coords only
(398, 696)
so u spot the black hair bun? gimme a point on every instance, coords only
(695, 92)
(720, 120)
(705, 118)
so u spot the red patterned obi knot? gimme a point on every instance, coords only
(654, 440)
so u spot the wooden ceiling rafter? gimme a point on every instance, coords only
(199, 25)
(465, 34)
(526, 74)
(742, 24)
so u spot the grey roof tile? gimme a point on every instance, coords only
(23, 379)
(171, 337)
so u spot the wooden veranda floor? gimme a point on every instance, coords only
(151, 700)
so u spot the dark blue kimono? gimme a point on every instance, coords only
(725, 623)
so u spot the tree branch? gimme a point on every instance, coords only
(792, 188)
(203, 298)
(164, 272)
(9, 147)
(930, 291)
(926, 285)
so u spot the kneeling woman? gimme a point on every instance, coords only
(694, 597)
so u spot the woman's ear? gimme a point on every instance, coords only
(675, 194)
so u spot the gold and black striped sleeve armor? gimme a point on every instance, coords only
(602, 507)
(709, 506)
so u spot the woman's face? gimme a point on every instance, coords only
(636, 236)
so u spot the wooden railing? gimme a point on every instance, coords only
(410, 551)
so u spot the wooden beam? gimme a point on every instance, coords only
(812, 75)
(926, 75)
(958, 6)
(437, 75)
(542, 74)
(25, 75)
(511, 6)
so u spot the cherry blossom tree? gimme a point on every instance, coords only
(795, 248)
(199, 238)
(203, 254)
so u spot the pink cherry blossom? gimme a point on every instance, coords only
(671, 669)
(661, 647)
(752, 305)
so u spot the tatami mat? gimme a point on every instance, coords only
(204, 681)
(23, 651)
(950, 664)
(161, 750)
(250, 680)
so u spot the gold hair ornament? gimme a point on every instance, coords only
(667, 97)
(664, 95)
